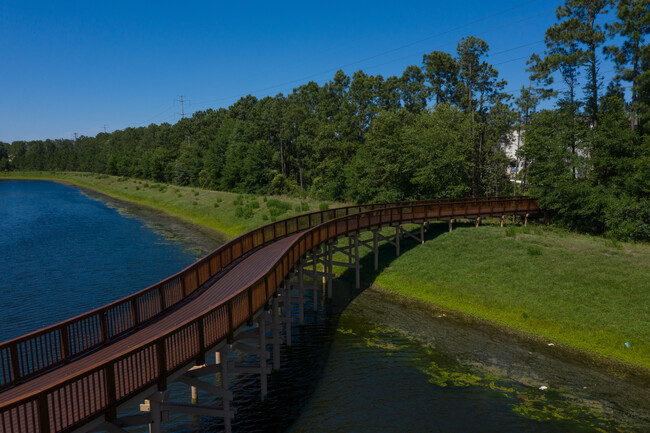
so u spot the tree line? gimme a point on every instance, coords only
(440, 129)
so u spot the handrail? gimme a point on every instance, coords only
(159, 357)
(32, 354)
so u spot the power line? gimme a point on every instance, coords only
(471, 23)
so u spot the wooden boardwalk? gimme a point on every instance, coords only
(64, 376)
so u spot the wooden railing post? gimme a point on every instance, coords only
(15, 363)
(43, 413)
(231, 323)
(65, 344)
(135, 311)
(162, 364)
(111, 392)
(103, 326)
(200, 360)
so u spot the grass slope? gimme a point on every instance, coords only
(581, 291)
(215, 209)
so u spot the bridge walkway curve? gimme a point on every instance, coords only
(220, 293)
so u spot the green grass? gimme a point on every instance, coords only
(580, 291)
(229, 213)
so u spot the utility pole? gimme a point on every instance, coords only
(181, 100)
(75, 136)
(104, 129)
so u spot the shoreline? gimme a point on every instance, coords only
(194, 232)
(561, 352)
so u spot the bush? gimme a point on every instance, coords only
(216, 205)
(304, 206)
(534, 250)
(628, 219)
(265, 217)
(324, 206)
(239, 211)
(511, 232)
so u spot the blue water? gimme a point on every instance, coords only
(63, 253)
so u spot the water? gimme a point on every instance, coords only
(362, 363)
(63, 253)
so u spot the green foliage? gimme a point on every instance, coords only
(279, 204)
(434, 130)
(533, 250)
(323, 206)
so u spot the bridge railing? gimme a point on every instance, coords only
(99, 389)
(32, 354)
(37, 352)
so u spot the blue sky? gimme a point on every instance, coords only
(69, 67)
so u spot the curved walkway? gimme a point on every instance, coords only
(210, 304)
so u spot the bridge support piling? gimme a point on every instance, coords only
(263, 356)
(301, 291)
(451, 224)
(286, 303)
(503, 217)
(375, 248)
(330, 268)
(478, 221)
(275, 332)
(153, 405)
(398, 235)
(223, 367)
(526, 220)
(357, 264)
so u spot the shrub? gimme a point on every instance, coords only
(239, 211)
(324, 206)
(534, 250)
(216, 205)
(511, 232)
(265, 217)
(304, 206)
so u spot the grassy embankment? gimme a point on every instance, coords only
(584, 292)
(229, 213)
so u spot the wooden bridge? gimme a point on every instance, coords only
(77, 375)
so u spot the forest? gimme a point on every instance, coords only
(440, 129)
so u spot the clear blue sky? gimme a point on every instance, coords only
(69, 67)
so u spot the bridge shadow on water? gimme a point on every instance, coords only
(304, 362)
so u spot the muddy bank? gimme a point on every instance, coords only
(199, 239)
(491, 351)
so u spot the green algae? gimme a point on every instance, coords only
(544, 406)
